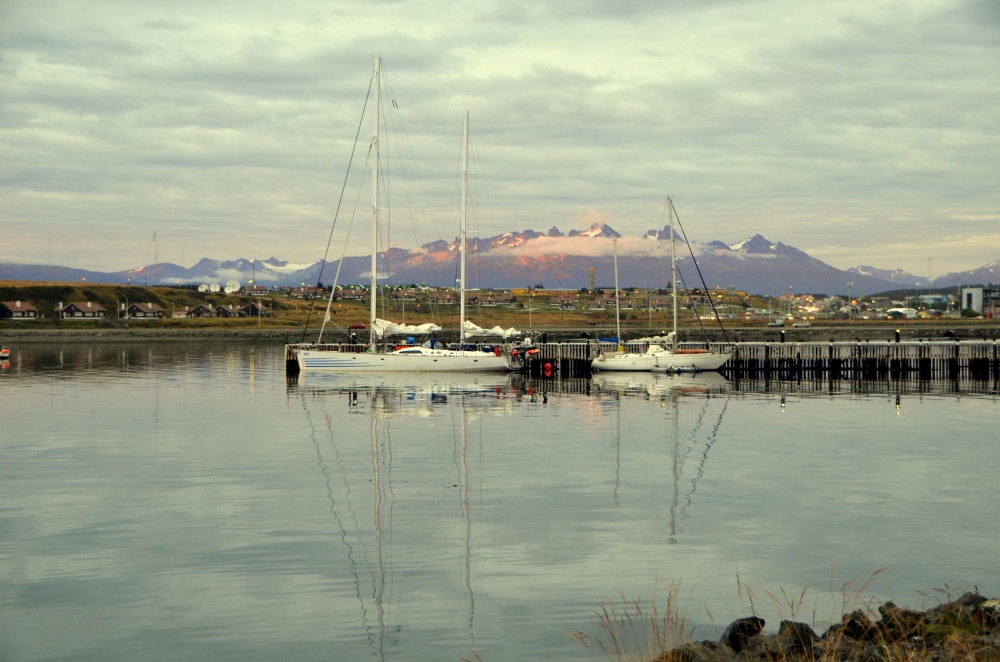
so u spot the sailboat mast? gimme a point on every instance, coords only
(375, 229)
(673, 268)
(618, 313)
(462, 232)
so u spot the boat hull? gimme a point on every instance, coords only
(665, 361)
(424, 360)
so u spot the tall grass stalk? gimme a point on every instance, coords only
(631, 630)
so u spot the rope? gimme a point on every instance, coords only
(700, 276)
(336, 213)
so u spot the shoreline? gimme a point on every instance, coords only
(839, 333)
(40, 336)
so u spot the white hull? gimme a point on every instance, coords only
(411, 359)
(659, 359)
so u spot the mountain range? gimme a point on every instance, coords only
(551, 259)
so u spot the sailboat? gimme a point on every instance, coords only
(657, 357)
(409, 358)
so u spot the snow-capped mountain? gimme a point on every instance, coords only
(988, 273)
(893, 276)
(271, 271)
(552, 258)
(595, 230)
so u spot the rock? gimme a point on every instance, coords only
(899, 624)
(795, 638)
(740, 631)
(699, 651)
(963, 630)
(855, 625)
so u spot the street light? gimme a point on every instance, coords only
(789, 301)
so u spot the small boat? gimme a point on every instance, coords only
(428, 358)
(658, 357)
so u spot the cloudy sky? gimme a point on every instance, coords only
(862, 132)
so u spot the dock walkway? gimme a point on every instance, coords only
(931, 359)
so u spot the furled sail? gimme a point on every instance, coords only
(385, 328)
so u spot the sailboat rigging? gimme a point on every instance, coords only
(657, 357)
(409, 358)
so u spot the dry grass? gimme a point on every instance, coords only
(634, 630)
(863, 628)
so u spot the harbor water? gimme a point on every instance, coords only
(187, 501)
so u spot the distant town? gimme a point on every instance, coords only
(258, 301)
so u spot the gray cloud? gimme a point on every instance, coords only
(849, 130)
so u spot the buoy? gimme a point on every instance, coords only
(497, 351)
(547, 369)
(513, 352)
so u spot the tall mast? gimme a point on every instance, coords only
(618, 313)
(375, 229)
(462, 232)
(673, 268)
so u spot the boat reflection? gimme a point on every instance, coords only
(661, 385)
(338, 407)
(413, 383)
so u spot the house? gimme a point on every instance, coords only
(305, 292)
(354, 295)
(18, 310)
(401, 294)
(564, 301)
(441, 299)
(902, 313)
(226, 310)
(81, 310)
(253, 310)
(255, 290)
(144, 311)
(661, 301)
(188, 312)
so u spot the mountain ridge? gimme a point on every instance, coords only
(553, 259)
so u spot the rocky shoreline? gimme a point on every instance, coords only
(964, 629)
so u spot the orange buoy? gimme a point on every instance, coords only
(547, 369)
(497, 350)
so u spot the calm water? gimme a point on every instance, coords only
(183, 502)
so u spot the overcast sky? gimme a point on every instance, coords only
(861, 132)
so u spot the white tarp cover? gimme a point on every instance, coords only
(473, 330)
(384, 328)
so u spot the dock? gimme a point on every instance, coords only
(930, 359)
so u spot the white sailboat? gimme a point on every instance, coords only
(657, 357)
(410, 358)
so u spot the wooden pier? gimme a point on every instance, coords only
(931, 359)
